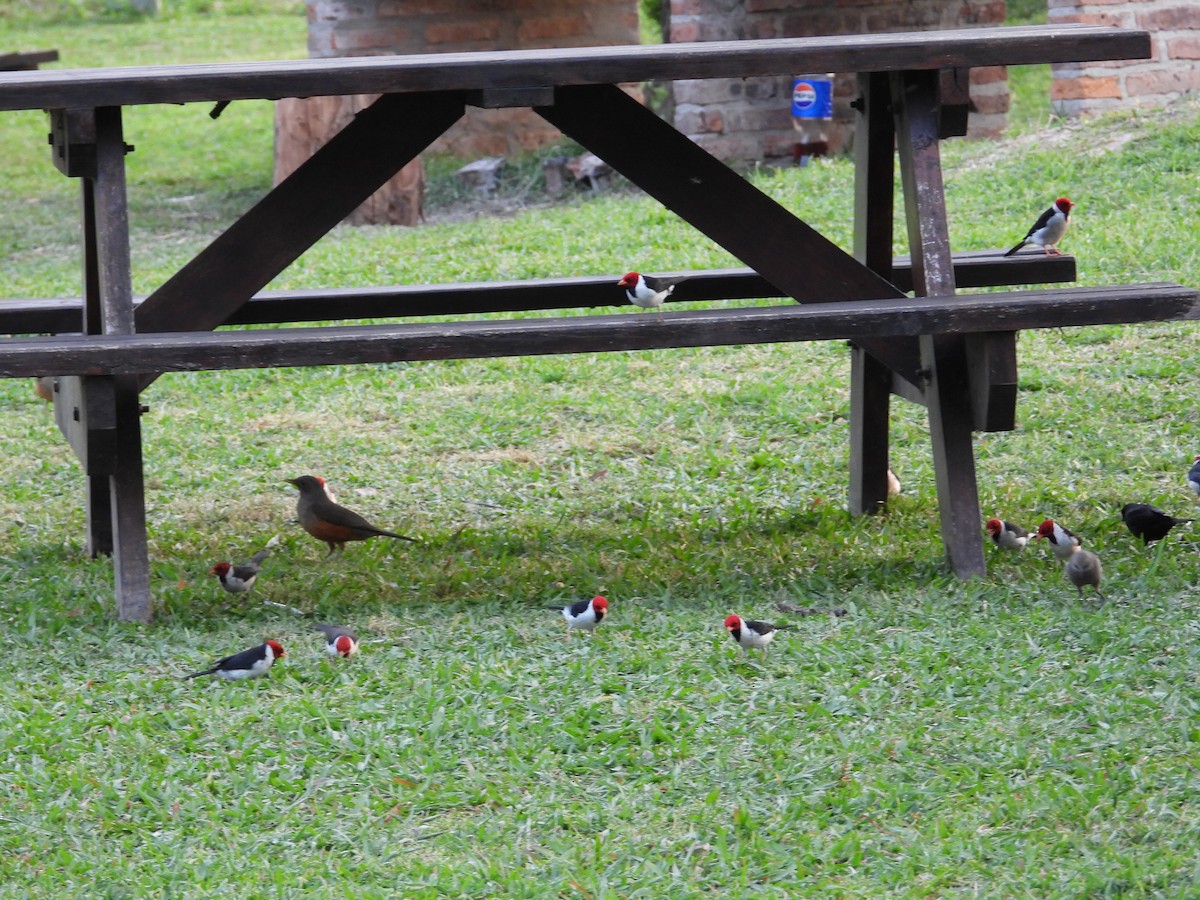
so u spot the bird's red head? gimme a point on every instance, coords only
(994, 526)
(221, 569)
(276, 648)
(629, 280)
(733, 621)
(1197, 459)
(344, 645)
(1045, 529)
(1064, 205)
(600, 603)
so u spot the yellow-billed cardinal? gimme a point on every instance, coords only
(647, 291)
(328, 521)
(339, 641)
(251, 663)
(1007, 535)
(237, 579)
(584, 615)
(1062, 542)
(1148, 522)
(1049, 229)
(1193, 476)
(1083, 568)
(750, 634)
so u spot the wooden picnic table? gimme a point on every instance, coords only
(954, 353)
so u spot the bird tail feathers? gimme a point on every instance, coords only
(1016, 248)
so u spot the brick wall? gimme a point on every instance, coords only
(750, 119)
(377, 27)
(1174, 69)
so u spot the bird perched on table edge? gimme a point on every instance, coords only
(1049, 229)
(339, 641)
(1083, 568)
(252, 663)
(1193, 476)
(1006, 534)
(647, 291)
(329, 521)
(1148, 522)
(238, 579)
(584, 615)
(751, 634)
(1062, 541)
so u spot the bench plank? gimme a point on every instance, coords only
(850, 320)
(523, 69)
(983, 268)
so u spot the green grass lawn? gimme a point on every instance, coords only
(995, 738)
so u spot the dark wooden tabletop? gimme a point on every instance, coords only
(525, 69)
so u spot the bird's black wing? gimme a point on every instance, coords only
(578, 609)
(761, 627)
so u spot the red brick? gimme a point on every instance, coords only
(461, 32)
(690, 7)
(989, 74)
(1177, 18)
(1109, 19)
(685, 32)
(1140, 84)
(1183, 48)
(348, 40)
(551, 27)
(411, 7)
(988, 104)
(1084, 88)
(757, 6)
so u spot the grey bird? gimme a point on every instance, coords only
(1083, 568)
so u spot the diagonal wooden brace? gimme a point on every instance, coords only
(720, 203)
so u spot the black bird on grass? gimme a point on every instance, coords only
(1148, 522)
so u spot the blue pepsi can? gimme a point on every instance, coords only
(812, 97)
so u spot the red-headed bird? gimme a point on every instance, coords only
(647, 291)
(339, 641)
(1062, 541)
(1007, 535)
(1049, 229)
(252, 663)
(238, 579)
(750, 634)
(584, 615)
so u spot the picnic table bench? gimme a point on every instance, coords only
(955, 353)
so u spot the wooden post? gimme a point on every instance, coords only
(943, 356)
(870, 380)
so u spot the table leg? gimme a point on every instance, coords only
(870, 380)
(943, 357)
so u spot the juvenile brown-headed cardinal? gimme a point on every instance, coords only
(252, 663)
(1148, 522)
(331, 522)
(1083, 568)
(1007, 535)
(584, 615)
(339, 641)
(1049, 229)
(238, 579)
(750, 634)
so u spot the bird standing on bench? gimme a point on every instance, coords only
(330, 522)
(1049, 229)
(1148, 522)
(647, 291)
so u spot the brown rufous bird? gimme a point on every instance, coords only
(331, 522)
